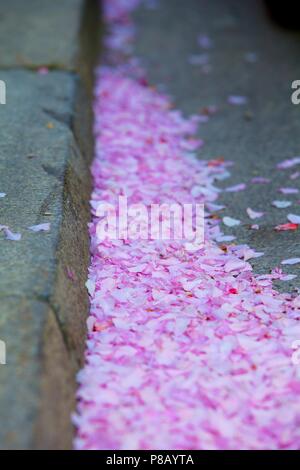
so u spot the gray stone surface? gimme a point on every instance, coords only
(167, 36)
(39, 32)
(46, 147)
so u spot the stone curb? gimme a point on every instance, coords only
(46, 147)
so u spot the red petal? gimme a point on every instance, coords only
(283, 227)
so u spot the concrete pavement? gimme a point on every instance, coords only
(46, 146)
(255, 136)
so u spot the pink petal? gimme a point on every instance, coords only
(234, 265)
(288, 277)
(291, 261)
(293, 218)
(295, 175)
(230, 222)
(237, 100)
(204, 41)
(288, 190)
(254, 214)
(281, 204)
(236, 188)
(40, 227)
(285, 227)
(288, 163)
(260, 180)
(9, 235)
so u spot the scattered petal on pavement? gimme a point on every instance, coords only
(237, 100)
(293, 218)
(281, 204)
(225, 238)
(291, 261)
(288, 163)
(288, 277)
(288, 190)
(40, 227)
(230, 222)
(295, 175)
(204, 41)
(285, 227)
(254, 214)
(9, 235)
(236, 188)
(260, 180)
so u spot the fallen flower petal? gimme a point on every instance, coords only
(40, 227)
(284, 227)
(288, 190)
(204, 41)
(293, 218)
(230, 222)
(260, 180)
(281, 204)
(234, 265)
(291, 261)
(288, 277)
(9, 235)
(43, 70)
(295, 175)
(225, 238)
(214, 207)
(237, 100)
(236, 188)
(288, 163)
(254, 214)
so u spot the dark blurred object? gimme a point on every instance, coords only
(285, 12)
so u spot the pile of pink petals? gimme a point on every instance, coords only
(185, 350)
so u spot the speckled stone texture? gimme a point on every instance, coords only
(46, 146)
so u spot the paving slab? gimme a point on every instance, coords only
(255, 136)
(46, 147)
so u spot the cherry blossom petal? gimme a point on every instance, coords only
(260, 180)
(285, 227)
(288, 190)
(291, 261)
(254, 214)
(40, 227)
(293, 218)
(230, 221)
(237, 100)
(288, 163)
(236, 188)
(281, 204)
